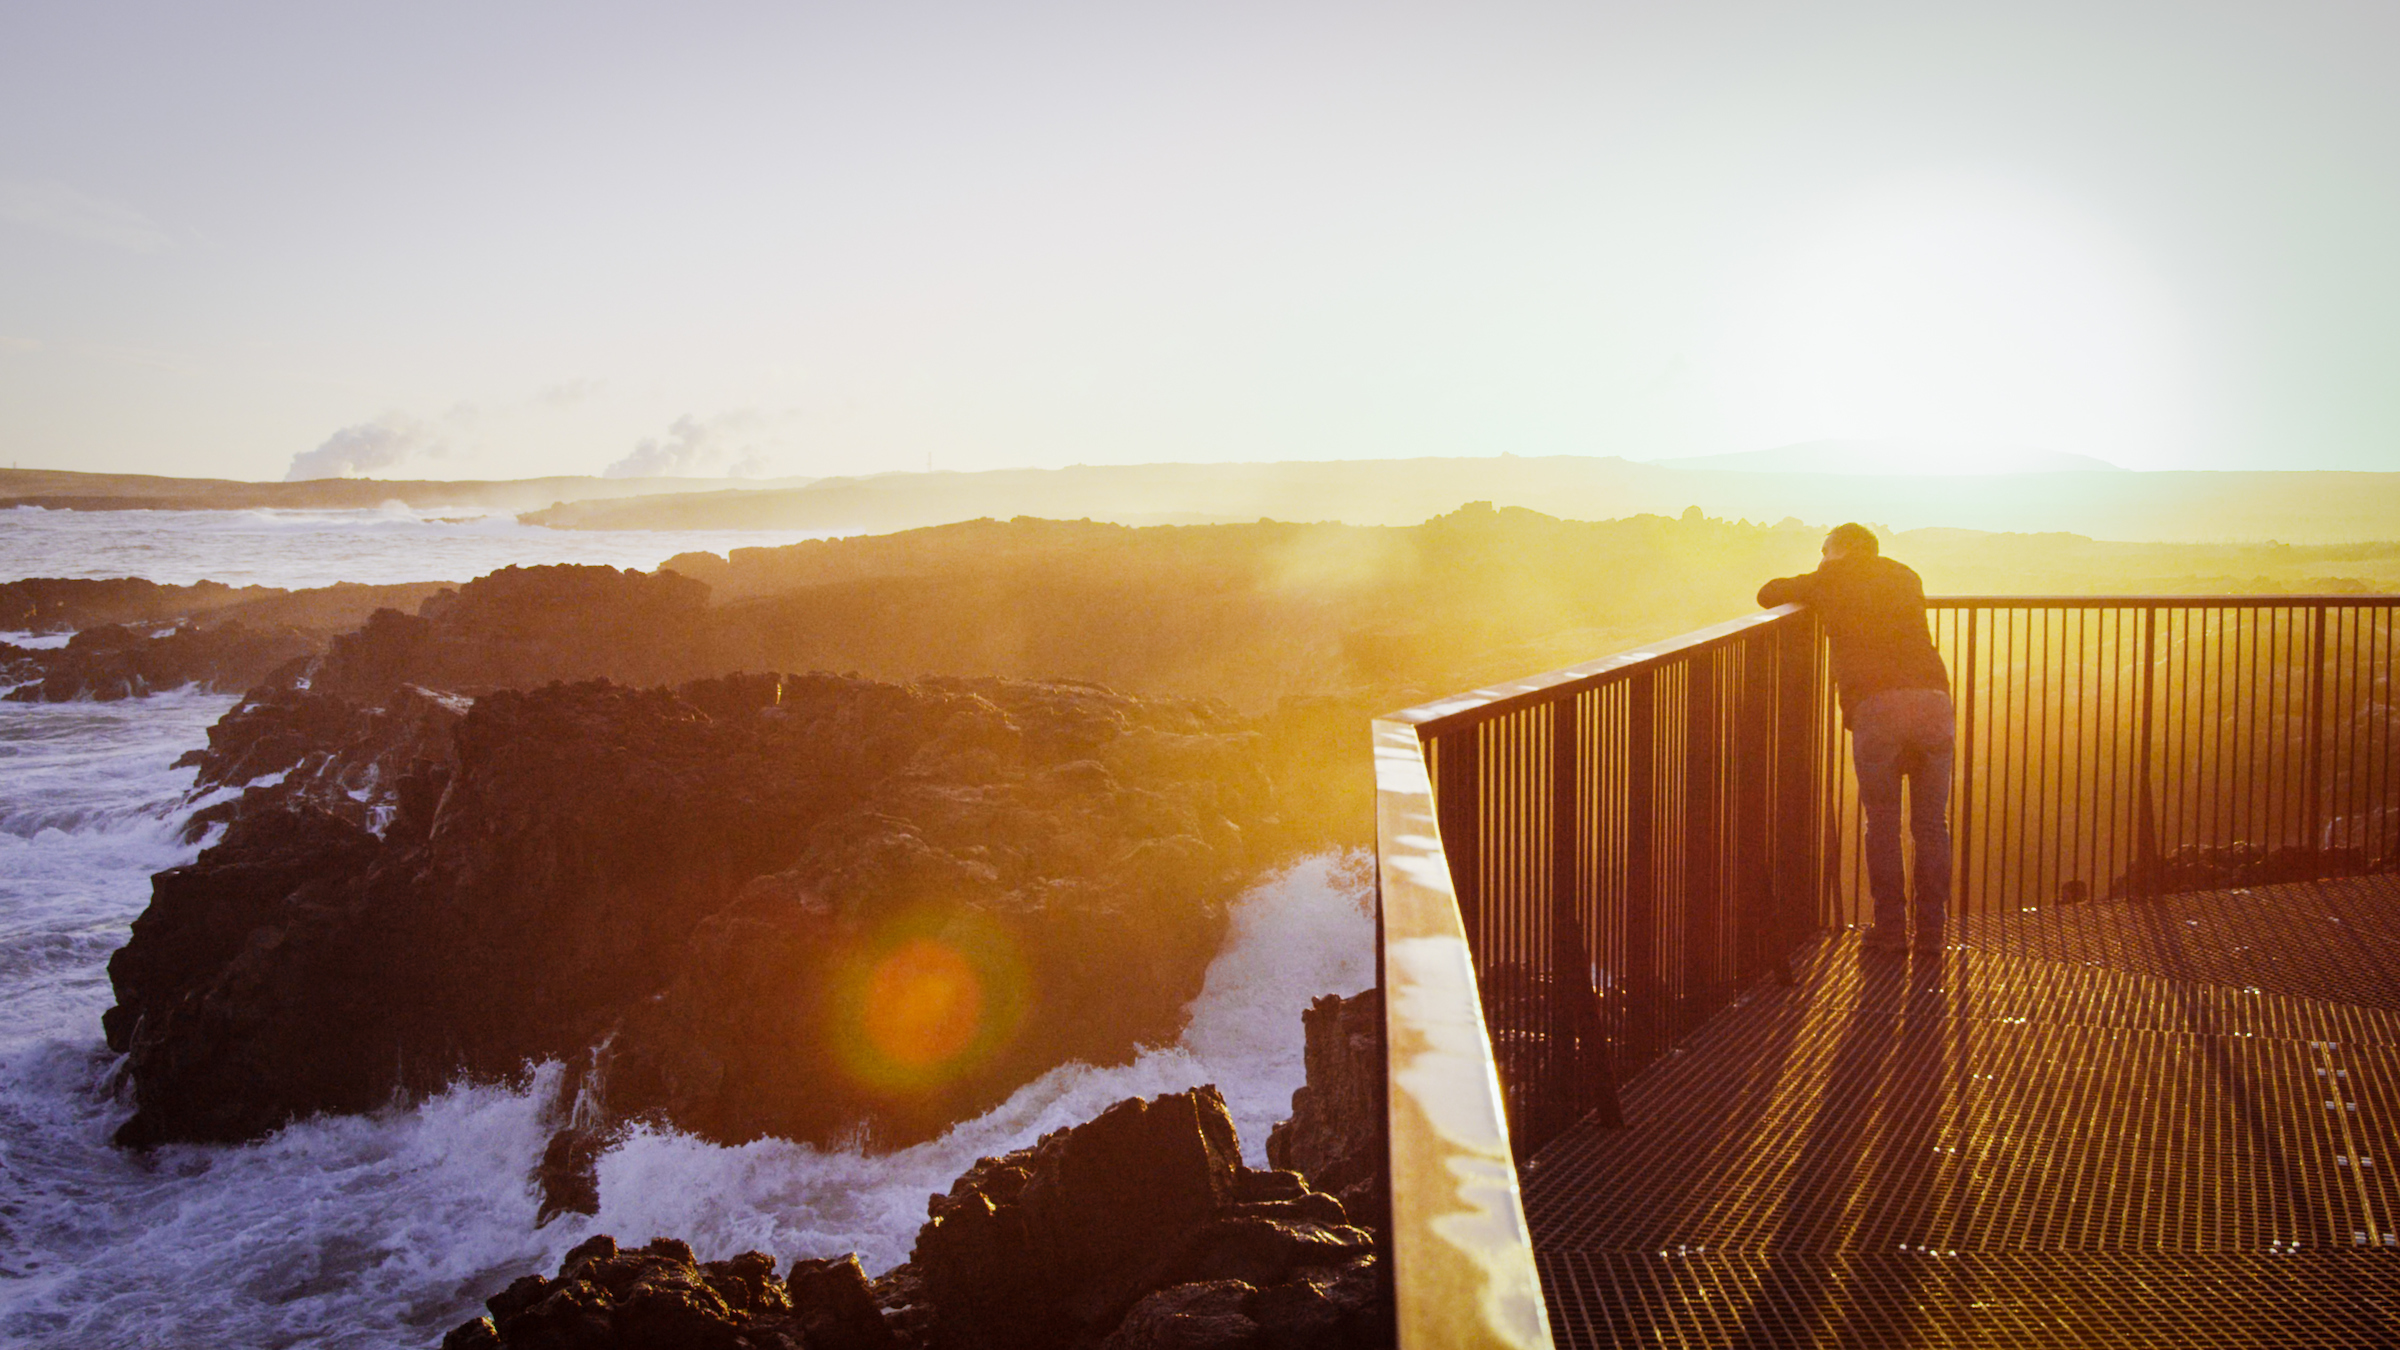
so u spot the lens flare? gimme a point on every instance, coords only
(931, 998)
(924, 1003)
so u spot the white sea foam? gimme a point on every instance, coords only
(1298, 935)
(387, 1230)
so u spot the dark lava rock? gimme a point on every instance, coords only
(63, 604)
(1318, 1308)
(357, 760)
(569, 1174)
(347, 726)
(723, 873)
(1054, 858)
(1058, 1244)
(113, 662)
(1137, 1229)
(1190, 1317)
(2213, 867)
(1336, 1133)
(662, 1296)
(521, 627)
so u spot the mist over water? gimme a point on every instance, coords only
(387, 1230)
(318, 548)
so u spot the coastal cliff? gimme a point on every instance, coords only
(709, 879)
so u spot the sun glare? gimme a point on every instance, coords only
(924, 1003)
(1971, 318)
(933, 996)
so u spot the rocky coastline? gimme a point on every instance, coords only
(1140, 1229)
(511, 828)
(697, 876)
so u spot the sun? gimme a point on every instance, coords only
(1969, 316)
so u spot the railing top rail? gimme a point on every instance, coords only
(1459, 711)
(1462, 1260)
(2161, 601)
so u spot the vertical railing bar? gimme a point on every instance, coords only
(1987, 619)
(2021, 720)
(2146, 829)
(1963, 889)
(1640, 868)
(2071, 714)
(2054, 743)
(2312, 814)
(2087, 756)
(1700, 838)
(2112, 707)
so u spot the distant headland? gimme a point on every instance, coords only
(2180, 506)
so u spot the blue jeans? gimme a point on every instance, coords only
(1905, 734)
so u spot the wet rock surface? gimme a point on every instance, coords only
(661, 1295)
(354, 759)
(112, 662)
(1336, 1131)
(1137, 1230)
(522, 627)
(729, 879)
(2208, 867)
(67, 604)
(346, 727)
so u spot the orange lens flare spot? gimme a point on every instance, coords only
(924, 1004)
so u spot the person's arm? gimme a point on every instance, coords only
(1799, 590)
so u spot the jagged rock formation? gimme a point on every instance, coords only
(58, 604)
(1336, 1131)
(72, 604)
(1137, 1230)
(1057, 1244)
(661, 1295)
(725, 877)
(522, 627)
(348, 758)
(2213, 867)
(113, 662)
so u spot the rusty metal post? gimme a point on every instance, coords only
(1962, 810)
(2312, 812)
(1754, 813)
(1797, 877)
(1458, 810)
(1639, 980)
(1591, 1084)
(2145, 799)
(1703, 891)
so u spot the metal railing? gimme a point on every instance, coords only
(1578, 868)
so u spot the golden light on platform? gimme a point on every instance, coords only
(936, 995)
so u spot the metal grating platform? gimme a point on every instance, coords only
(2170, 1122)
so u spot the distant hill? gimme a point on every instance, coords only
(1889, 457)
(2187, 507)
(2175, 507)
(62, 489)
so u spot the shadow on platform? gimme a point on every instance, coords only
(2170, 1122)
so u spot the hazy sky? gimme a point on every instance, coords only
(438, 240)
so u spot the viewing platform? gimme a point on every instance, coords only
(2169, 1122)
(2146, 1093)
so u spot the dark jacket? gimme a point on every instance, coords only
(1873, 610)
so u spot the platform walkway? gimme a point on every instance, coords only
(2170, 1122)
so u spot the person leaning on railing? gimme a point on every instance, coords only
(1895, 696)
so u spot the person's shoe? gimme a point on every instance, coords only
(1928, 939)
(1884, 937)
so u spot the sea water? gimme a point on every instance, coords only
(384, 546)
(386, 1230)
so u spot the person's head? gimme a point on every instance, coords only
(1851, 541)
